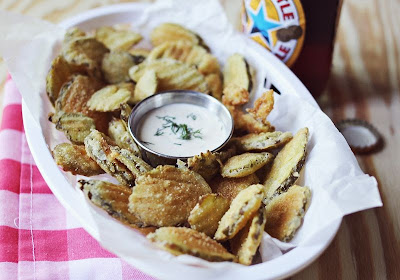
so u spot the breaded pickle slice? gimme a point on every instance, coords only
(237, 71)
(117, 39)
(125, 111)
(73, 158)
(242, 209)
(72, 34)
(245, 244)
(76, 126)
(165, 195)
(146, 86)
(235, 95)
(285, 212)
(206, 164)
(111, 97)
(245, 164)
(172, 74)
(187, 52)
(112, 198)
(119, 133)
(245, 122)
(287, 165)
(180, 240)
(230, 187)
(119, 163)
(59, 73)
(207, 213)
(115, 66)
(263, 106)
(214, 83)
(264, 141)
(171, 32)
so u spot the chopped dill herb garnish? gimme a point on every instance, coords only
(184, 132)
(147, 143)
(179, 144)
(192, 116)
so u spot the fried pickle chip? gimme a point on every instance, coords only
(207, 213)
(140, 54)
(171, 32)
(285, 212)
(76, 126)
(263, 106)
(111, 97)
(74, 96)
(264, 141)
(242, 209)
(115, 66)
(227, 152)
(187, 52)
(87, 52)
(73, 158)
(165, 195)
(117, 39)
(237, 71)
(172, 74)
(230, 187)
(119, 133)
(73, 33)
(246, 123)
(235, 95)
(120, 163)
(245, 244)
(146, 86)
(214, 83)
(179, 240)
(111, 198)
(245, 164)
(125, 111)
(206, 164)
(287, 165)
(59, 73)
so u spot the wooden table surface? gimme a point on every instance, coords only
(364, 83)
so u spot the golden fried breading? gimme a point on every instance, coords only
(111, 97)
(119, 163)
(235, 95)
(75, 126)
(119, 133)
(264, 141)
(287, 165)
(171, 32)
(180, 240)
(245, 164)
(263, 106)
(246, 122)
(59, 73)
(237, 71)
(230, 187)
(125, 112)
(115, 66)
(140, 54)
(172, 74)
(73, 33)
(165, 195)
(206, 164)
(285, 212)
(205, 216)
(86, 52)
(242, 209)
(245, 244)
(188, 53)
(117, 39)
(74, 96)
(227, 152)
(111, 198)
(145, 86)
(214, 83)
(73, 158)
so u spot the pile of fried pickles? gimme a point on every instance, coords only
(215, 205)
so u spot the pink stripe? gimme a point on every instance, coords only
(39, 185)
(8, 77)
(82, 246)
(11, 94)
(43, 270)
(10, 175)
(8, 244)
(48, 213)
(10, 144)
(129, 272)
(9, 209)
(43, 245)
(12, 118)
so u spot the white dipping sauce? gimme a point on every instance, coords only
(181, 130)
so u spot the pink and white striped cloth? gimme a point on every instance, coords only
(38, 238)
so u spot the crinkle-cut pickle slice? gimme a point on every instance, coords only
(287, 165)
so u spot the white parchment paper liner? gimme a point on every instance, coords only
(338, 185)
